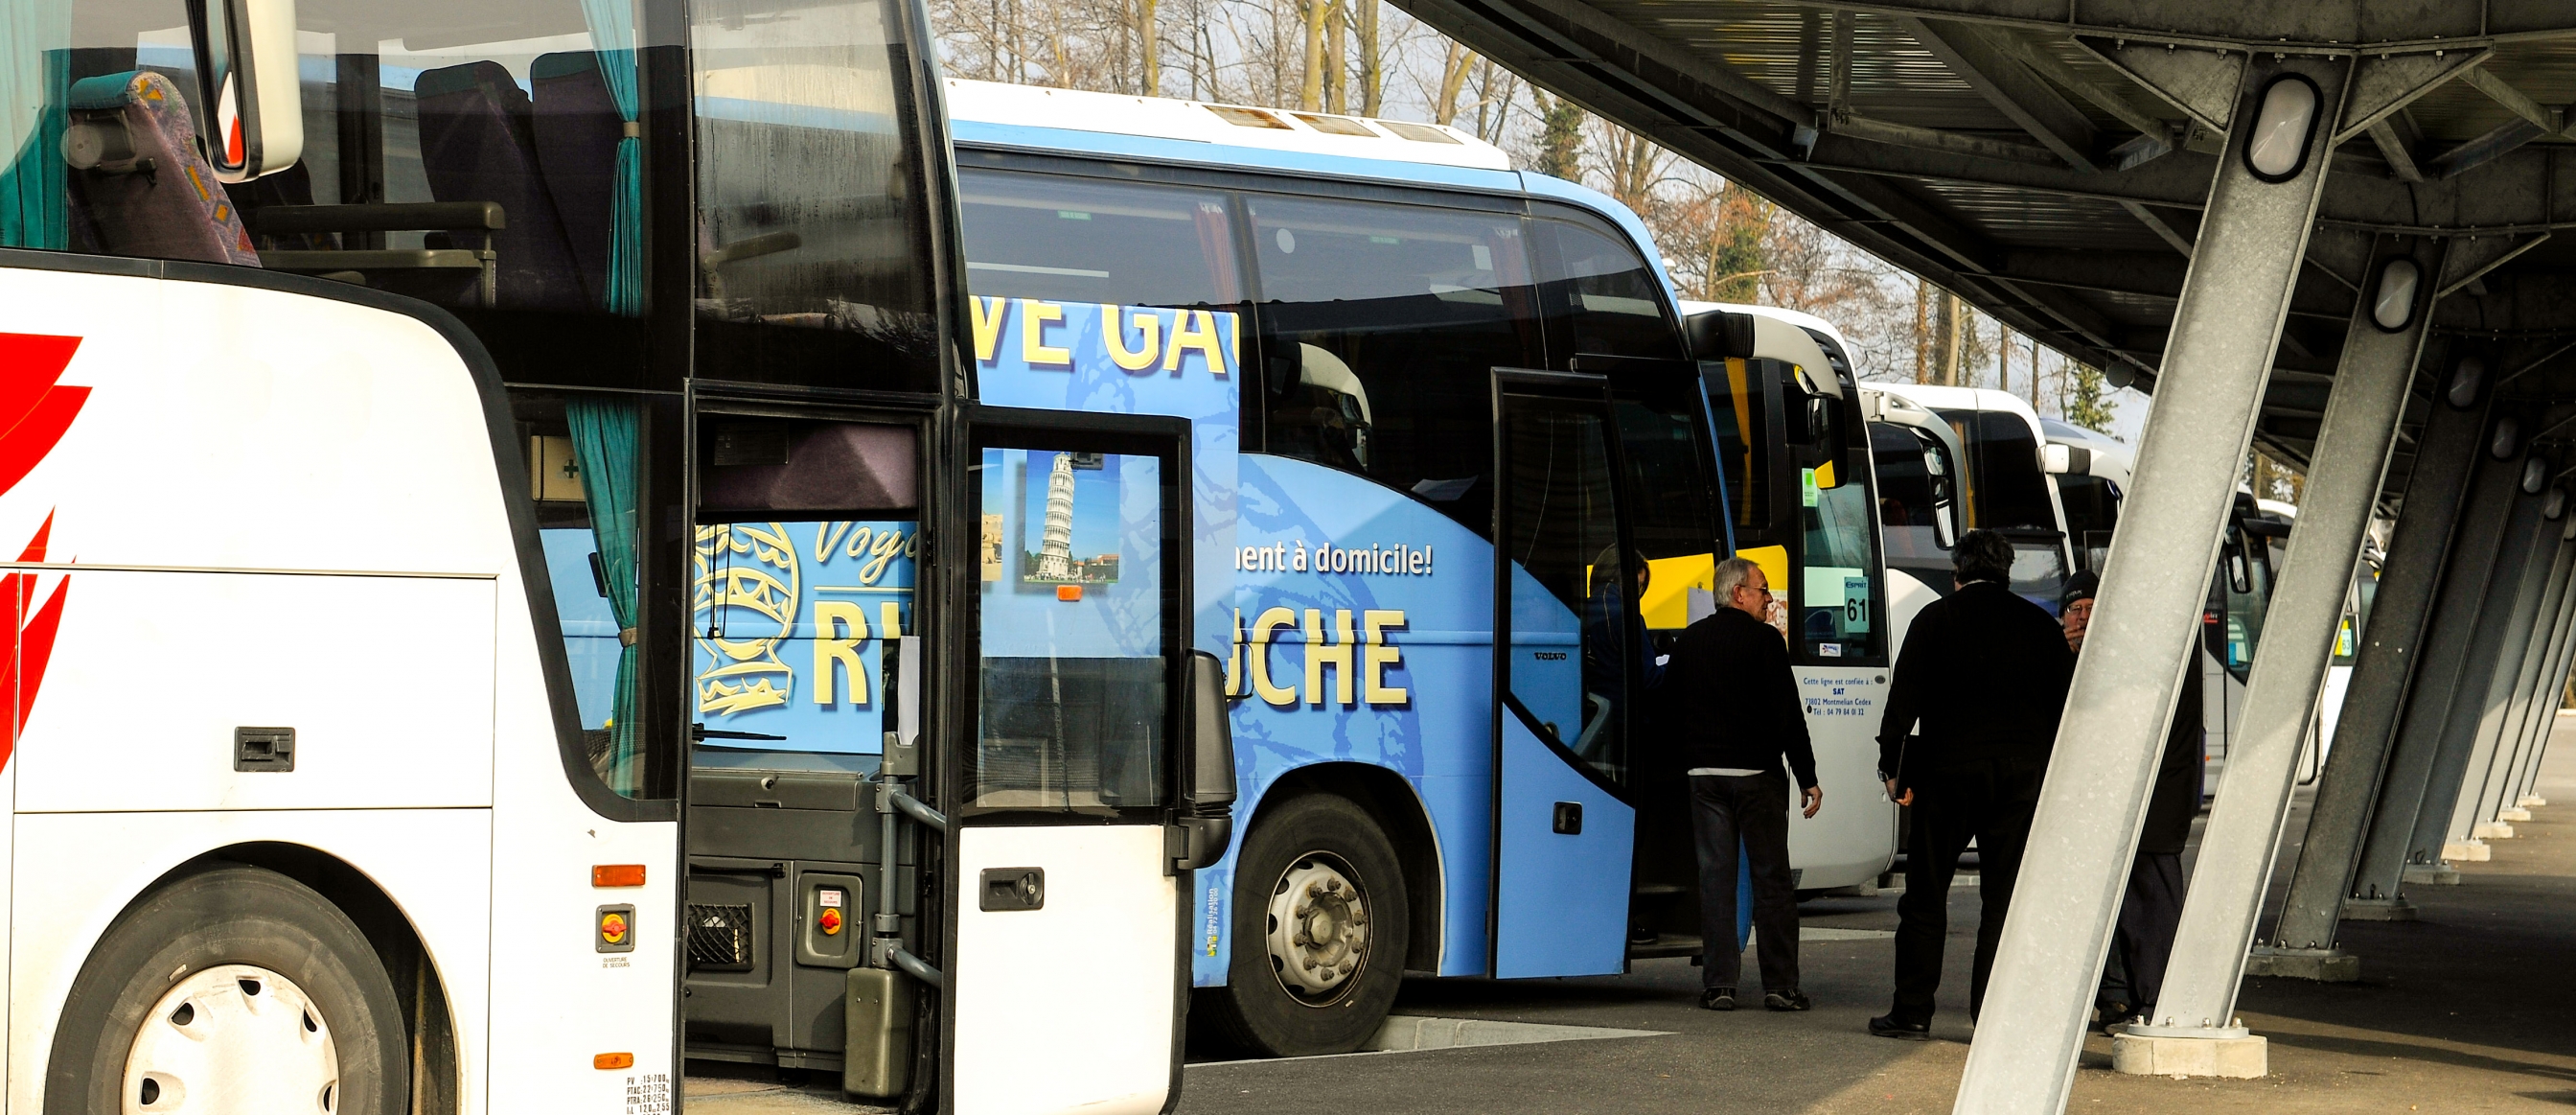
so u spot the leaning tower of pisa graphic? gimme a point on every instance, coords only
(1055, 552)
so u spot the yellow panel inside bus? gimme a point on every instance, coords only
(1666, 604)
(1774, 561)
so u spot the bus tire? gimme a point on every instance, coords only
(202, 965)
(1327, 857)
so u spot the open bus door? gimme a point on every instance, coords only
(1079, 723)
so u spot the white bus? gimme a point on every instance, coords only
(428, 424)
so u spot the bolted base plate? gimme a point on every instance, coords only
(2513, 813)
(2438, 874)
(2491, 830)
(2321, 965)
(2378, 909)
(2471, 850)
(2224, 1052)
(2531, 801)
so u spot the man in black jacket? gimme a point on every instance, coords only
(1985, 673)
(1740, 706)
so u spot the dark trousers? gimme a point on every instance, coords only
(2134, 974)
(1990, 802)
(1752, 810)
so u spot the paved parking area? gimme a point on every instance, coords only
(2465, 1009)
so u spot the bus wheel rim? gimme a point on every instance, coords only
(1318, 929)
(234, 1038)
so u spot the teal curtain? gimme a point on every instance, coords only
(605, 436)
(612, 37)
(35, 79)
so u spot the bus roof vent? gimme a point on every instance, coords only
(1335, 125)
(1420, 132)
(1248, 117)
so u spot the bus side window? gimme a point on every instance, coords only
(1601, 298)
(1066, 239)
(1382, 325)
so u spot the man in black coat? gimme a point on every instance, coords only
(1742, 718)
(1984, 672)
(2134, 973)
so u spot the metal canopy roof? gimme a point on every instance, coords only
(2048, 159)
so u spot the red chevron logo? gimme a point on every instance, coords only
(35, 411)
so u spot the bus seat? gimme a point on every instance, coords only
(138, 184)
(475, 146)
(577, 128)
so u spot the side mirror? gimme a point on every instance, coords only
(1719, 335)
(1206, 807)
(246, 86)
(2065, 460)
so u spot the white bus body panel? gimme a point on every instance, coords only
(89, 865)
(1111, 910)
(236, 428)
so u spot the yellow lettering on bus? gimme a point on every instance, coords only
(1279, 696)
(1034, 319)
(889, 620)
(1113, 333)
(1340, 655)
(1195, 329)
(1381, 657)
(852, 622)
(989, 313)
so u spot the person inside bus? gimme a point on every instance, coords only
(1741, 719)
(1984, 671)
(2151, 910)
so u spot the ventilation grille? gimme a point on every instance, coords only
(719, 937)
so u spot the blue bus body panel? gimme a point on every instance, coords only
(1561, 901)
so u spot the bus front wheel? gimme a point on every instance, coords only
(1319, 931)
(237, 989)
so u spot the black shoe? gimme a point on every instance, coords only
(1886, 1026)
(1792, 999)
(1717, 998)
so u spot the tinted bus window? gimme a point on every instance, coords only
(1914, 493)
(1672, 511)
(2092, 508)
(1834, 603)
(1382, 325)
(1075, 240)
(813, 243)
(1601, 297)
(2005, 487)
(1735, 395)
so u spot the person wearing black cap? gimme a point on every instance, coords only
(2142, 942)
(1985, 672)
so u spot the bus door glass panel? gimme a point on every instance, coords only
(2092, 506)
(1381, 325)
(802, 571)
(1738, 403)
(2005, 487)
(1569, 645)
(814, 236)
(1834, 598)
(1916, 489)
(2039, 567)
(1067, 919)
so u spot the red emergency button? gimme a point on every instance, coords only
(831, 922)
(612, 928)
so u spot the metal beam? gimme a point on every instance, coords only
(2201, 83)
(2471, 154)
(2084, 834)
(2401, 161)
(2505, 768)
(2010, 87)
(2385, 84)
(2458, 781)
(2549, 121)
(2235, 865)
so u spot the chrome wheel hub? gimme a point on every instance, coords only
(233, 1040)
(1318, 929)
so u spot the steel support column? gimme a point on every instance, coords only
(2458, 656)
(2482, 794)
(2542, 701)
(2227, 325)
(2235, 863)
(2437, 494)
(2477, 719)
(2545, 711)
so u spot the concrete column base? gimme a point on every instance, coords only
(2491, 830)
(2513, 813)
(2438, 874)
(2229, 1052)
(2378, 909)
(2471, 850)
(2531, 801)
(2321, 965)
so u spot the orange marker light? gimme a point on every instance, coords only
(612, 929)
(831, 922)
(1068, 593)
(613, 1061)
(617, 875)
